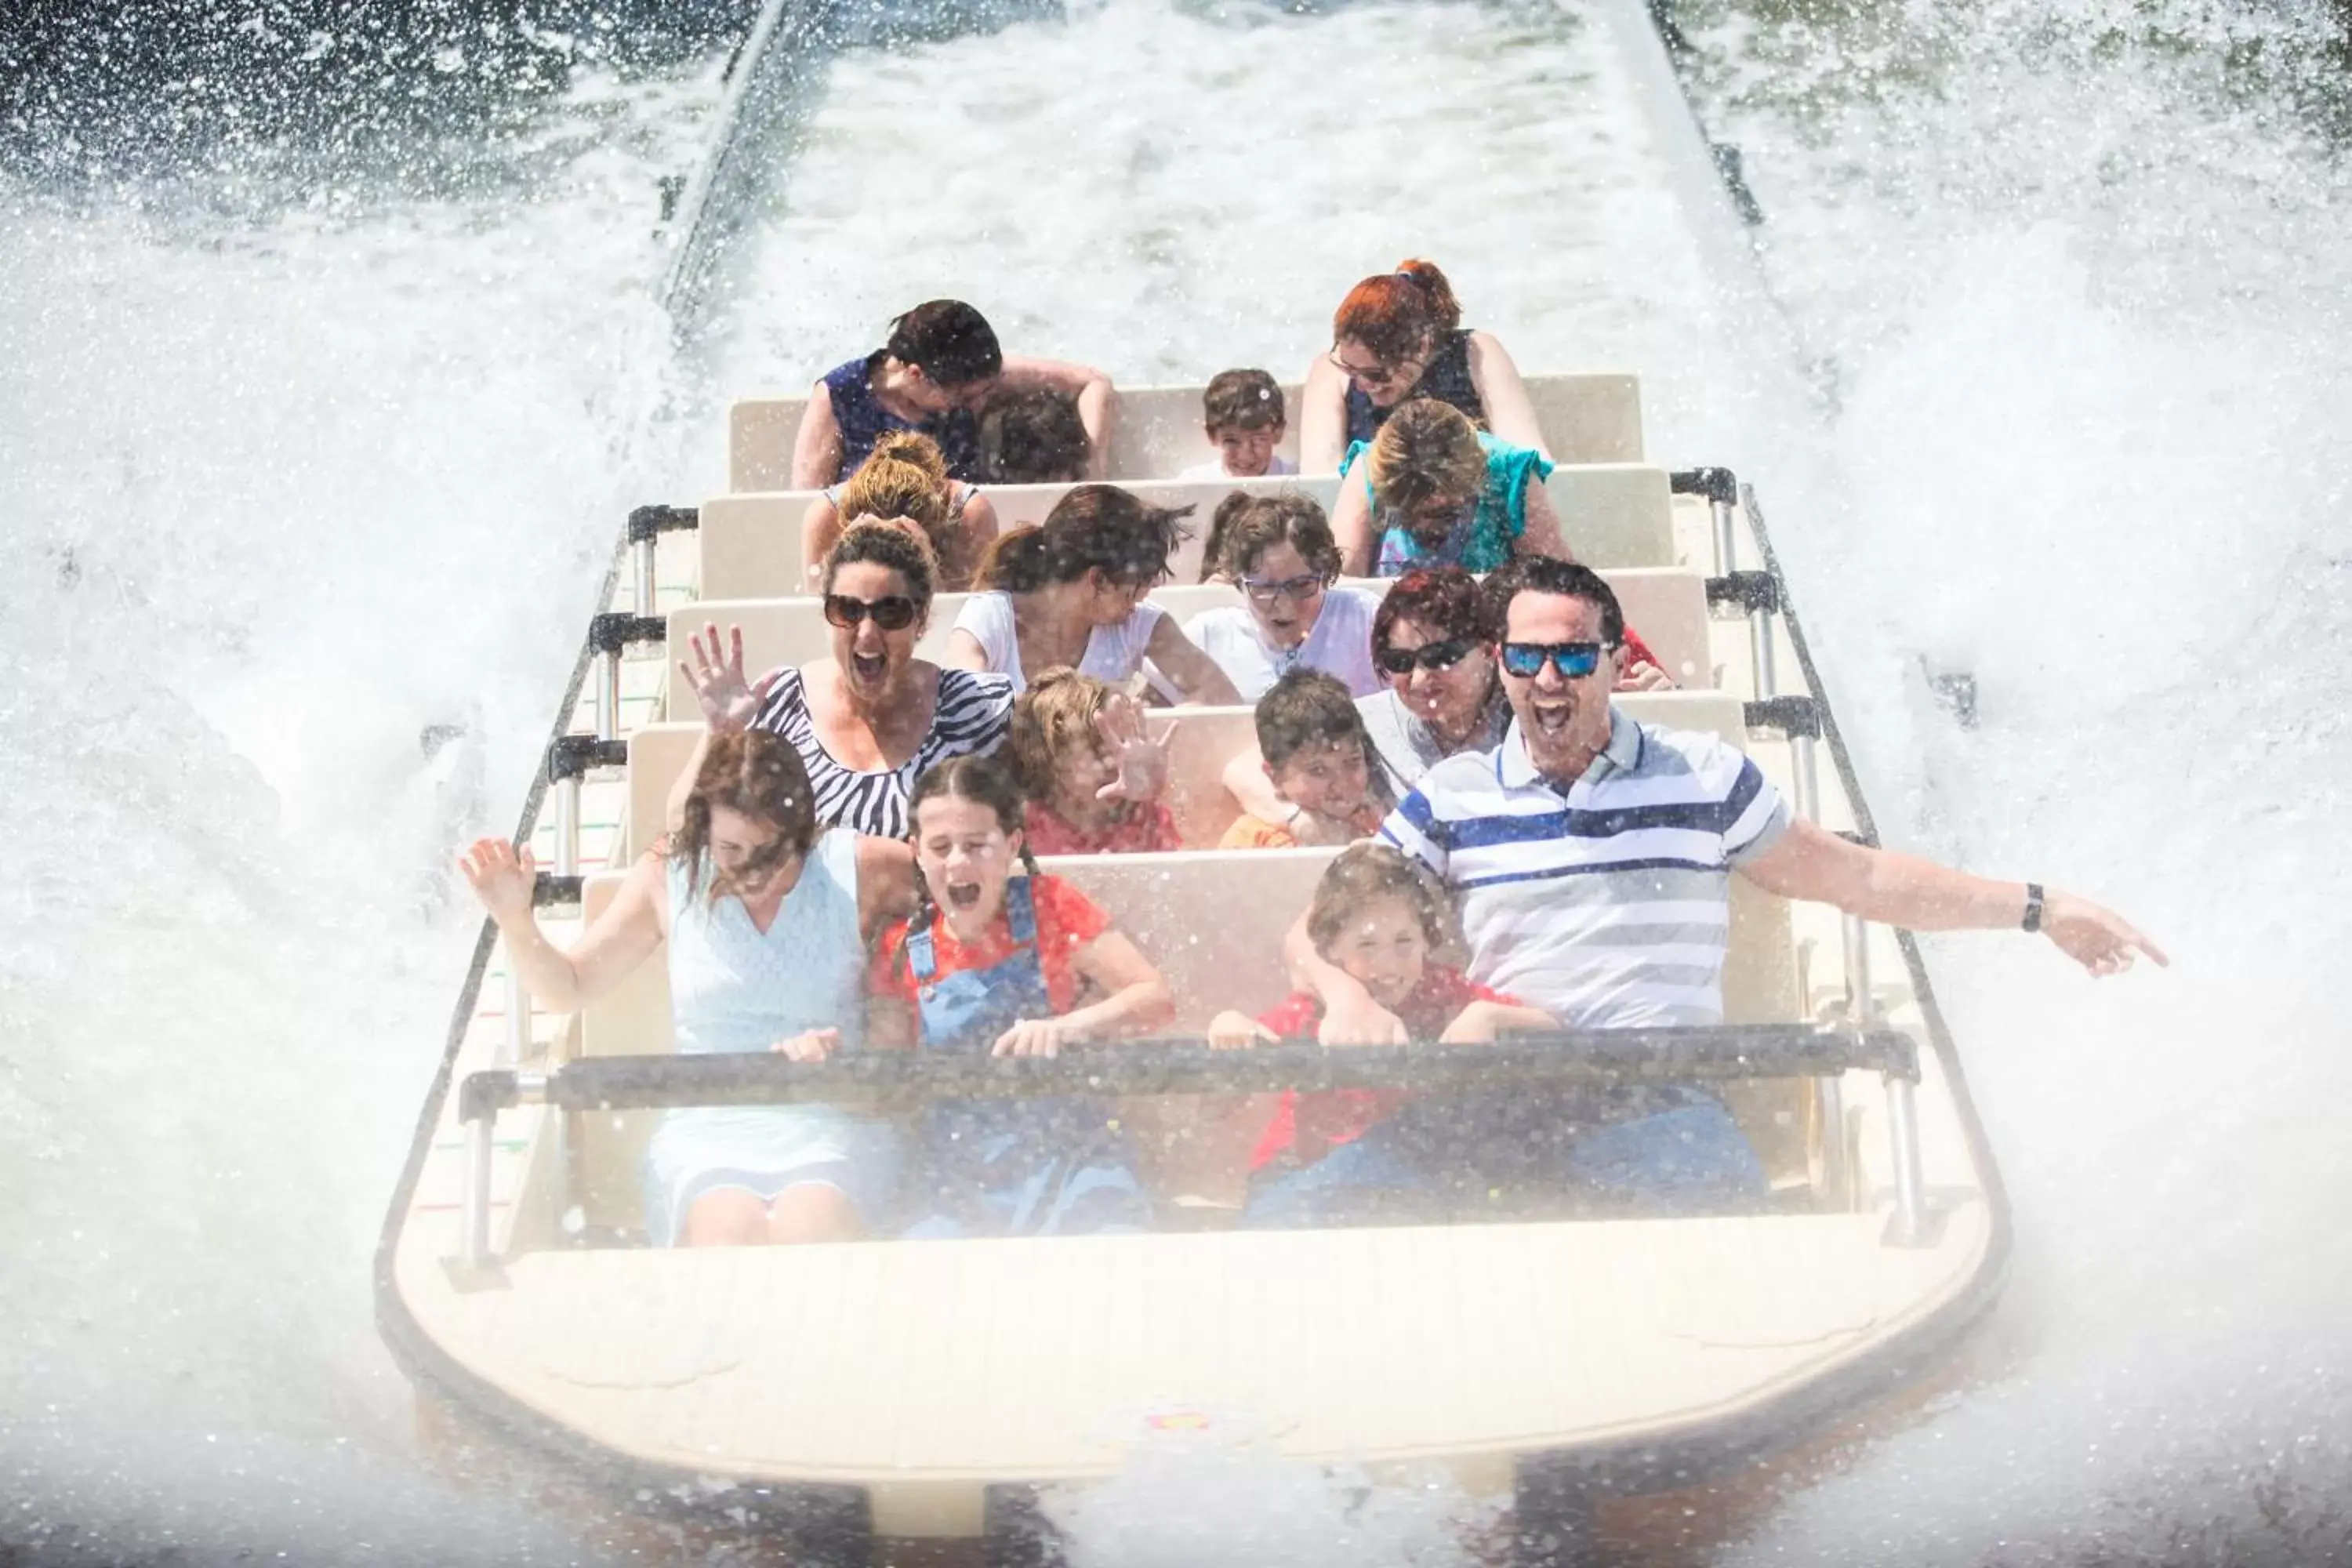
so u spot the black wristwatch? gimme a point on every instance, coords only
(2032, 920)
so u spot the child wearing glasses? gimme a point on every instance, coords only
(1092, 774)
(1279, 550)
(1433, 489)
(1242, 412)
(1320, 761)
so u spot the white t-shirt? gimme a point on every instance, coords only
(1113, 653)
(1339, 643)
(1215, 469)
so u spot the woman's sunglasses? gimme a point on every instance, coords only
(1428, 656)
(894, 613)
(1573, 659)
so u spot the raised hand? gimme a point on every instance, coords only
(729, 702)
(2100, 940)
(1644, 676)
(809, 1046)
(502, 877)
(1141, 760)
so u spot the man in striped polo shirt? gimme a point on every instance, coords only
(1591, 857)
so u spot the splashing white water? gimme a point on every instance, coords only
(338, 475)
(280, 494)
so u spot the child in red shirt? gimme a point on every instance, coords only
(994, 962)
(1376, 916)
(1092, 774)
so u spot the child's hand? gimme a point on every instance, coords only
(502, 878)
(1475, 1025)
(1231, 1031)
(1644, 676)
(1364, 1023)
(1036, 1037)
(811, 1045)
(1141, 761)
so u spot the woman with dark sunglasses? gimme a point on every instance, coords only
(1398, 336)
(870, 718)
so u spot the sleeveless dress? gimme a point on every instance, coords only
(1113, 654)
(863, 419)
(974, 711)
(736, 988)
(1484, 540)
(1446, 378)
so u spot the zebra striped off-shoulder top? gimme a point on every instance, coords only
(973, 712)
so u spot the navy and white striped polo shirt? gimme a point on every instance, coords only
(1607, 906)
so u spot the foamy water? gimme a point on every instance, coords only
(333, 476)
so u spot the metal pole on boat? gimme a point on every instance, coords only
(646, 560)
(480, 1142)
(1909, 1225)
(1727, 538)
(567, 825)
(518, 1041)
(1808, 781)
(1862, 1003)
(607, 676)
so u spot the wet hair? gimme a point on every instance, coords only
(1307, 708)
(1427, 449)
(984, 780)
(1094, 527)
(1287, 517)
(1548, 574)
(1057, 713)
(952, 342)
(1363, 874)
(1397, 314)
(879, 545)
(1033, 438)
(759, 775)
(1445, 599)
(1242, 400)
(904, 476)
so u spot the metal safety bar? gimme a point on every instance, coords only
(646, 525)
(570, 759)
(609, 635)
(1183, 1065)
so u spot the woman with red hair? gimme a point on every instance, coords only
(1399, 336)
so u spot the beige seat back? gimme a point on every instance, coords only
(1211, 920)
(1592, 418)
(657, 754)
(630, 1020)
(1615, 515)
(1589, 418)
(750, 544)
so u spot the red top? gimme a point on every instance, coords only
(1313, 1124)
(1066, 920)
(1148, 828)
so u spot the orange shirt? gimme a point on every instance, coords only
(1256, 832)
(1066, 920)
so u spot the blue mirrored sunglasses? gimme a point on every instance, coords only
(1572, 659)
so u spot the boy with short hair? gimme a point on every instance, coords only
(1242, 411)
(1319, 759)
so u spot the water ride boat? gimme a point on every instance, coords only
(863, 1395)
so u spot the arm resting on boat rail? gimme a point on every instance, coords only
(1811, 862)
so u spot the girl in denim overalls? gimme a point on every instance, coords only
(995, 962)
